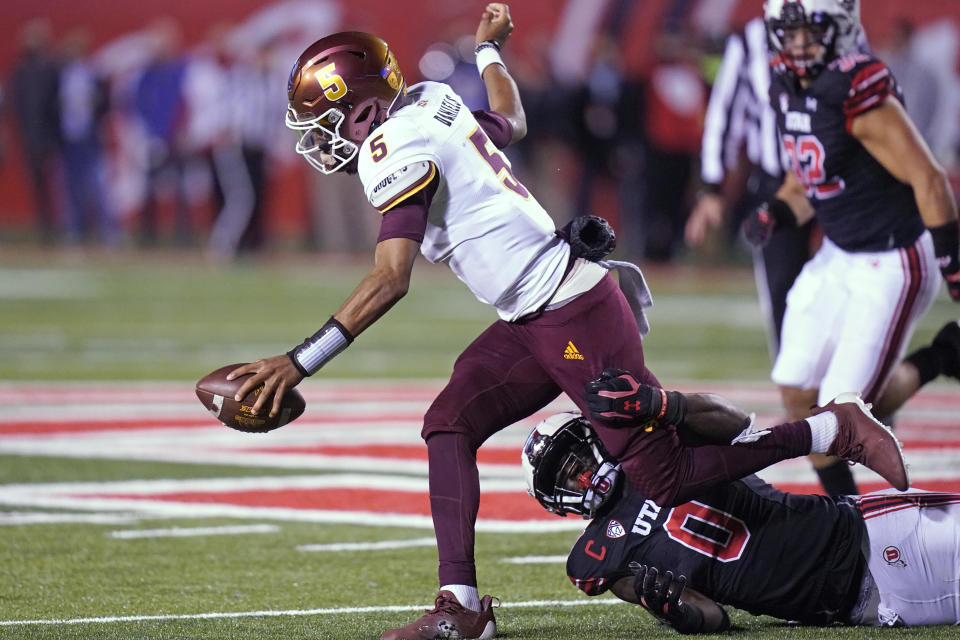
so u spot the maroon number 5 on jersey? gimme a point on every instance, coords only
(483, 146)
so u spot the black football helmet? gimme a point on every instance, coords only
(340, 89)
(567, 468)
(833, 24)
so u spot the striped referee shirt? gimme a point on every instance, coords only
(739, 112)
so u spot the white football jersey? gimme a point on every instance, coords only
(482, 221)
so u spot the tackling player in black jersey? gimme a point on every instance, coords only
(746, 544)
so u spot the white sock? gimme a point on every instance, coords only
(823, 431)
(466, 595)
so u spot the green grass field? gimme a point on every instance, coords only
(173, 318)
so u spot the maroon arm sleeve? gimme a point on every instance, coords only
(669, 473)
(497, 128)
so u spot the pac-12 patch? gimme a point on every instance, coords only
(615, 530)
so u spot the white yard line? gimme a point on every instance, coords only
(370, 546)
(17, 518)
(297, 612)
(187, 532)
(535, 560)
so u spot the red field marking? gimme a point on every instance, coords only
(94, 424)
(86, 426)
(493, 505)
(488, 454)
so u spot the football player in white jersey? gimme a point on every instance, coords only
(435, 172)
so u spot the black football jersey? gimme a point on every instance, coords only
(859, 204)
(744, 543)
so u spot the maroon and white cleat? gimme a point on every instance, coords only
(864, 439)
(449, 619)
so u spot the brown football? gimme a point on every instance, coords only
(216, 393)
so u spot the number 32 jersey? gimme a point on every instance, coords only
(859, 204)
(481, 220)
(744, 544)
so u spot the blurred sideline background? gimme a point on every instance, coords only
(154, 124)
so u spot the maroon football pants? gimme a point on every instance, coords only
(515, 369)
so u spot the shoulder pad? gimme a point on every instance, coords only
(401, 184)
(870, 83)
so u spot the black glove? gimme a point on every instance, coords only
(759, 226)
(617, 397)
(591, 238)
(660, 595)
(946, 246)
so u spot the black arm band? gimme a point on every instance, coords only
(496, 45)
(676, 410)
(320, 348)
(946, 240)
(781, 212)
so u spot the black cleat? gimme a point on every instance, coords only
(947, 345)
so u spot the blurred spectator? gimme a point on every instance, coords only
(33, 93)
(341, 219)
(919, 84)
(158, 101)
(924, 64)
(83, 105)
(604, 113)
(545, 156)
(257, 120)
(676, 100)
(3, 141)
(206, 129)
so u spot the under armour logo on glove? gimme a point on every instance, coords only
(617, 397)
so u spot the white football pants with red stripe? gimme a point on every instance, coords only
(850, 316)
(913, 558)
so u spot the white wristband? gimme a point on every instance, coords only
(320, 348)
(487, 56)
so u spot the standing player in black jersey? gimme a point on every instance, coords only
(875, 560)
(740, 115)
(884, 204)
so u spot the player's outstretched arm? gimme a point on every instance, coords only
(376, 293)
(669, 600)
(714, 418)
(502, 94)
(617, 398)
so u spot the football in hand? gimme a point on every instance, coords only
(216, 393)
